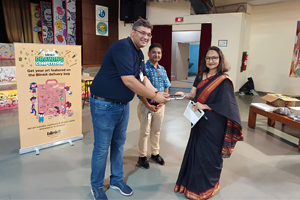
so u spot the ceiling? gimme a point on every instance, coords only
(219, 3)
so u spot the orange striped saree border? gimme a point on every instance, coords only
(233, 134)
(194, 196)
(210, 88)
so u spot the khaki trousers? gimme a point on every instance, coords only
(149, 126)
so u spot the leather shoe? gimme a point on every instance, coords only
(158, 159)
(143, 162)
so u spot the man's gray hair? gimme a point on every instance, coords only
(142, 22)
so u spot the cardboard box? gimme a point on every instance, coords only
(295, 111)
(280, 100)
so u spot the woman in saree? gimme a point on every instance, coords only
(214, 136)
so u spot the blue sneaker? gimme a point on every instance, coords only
(123, 188)
(98, 193)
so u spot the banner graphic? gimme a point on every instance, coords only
(295, 65)
(47, 23)
(59, 21)
(36, 26)
(71, 21)
(49, 94)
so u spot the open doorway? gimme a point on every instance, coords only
(184, 44)
(182, 60)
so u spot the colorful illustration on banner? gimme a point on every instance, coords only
(47, 22)
(41, 116)
(35, 29)
(71, 21)
(50, 58)
(58, 24)
(47, 14)
(57, 114)
(59, 17)
(295, 64)
(33, 104)
(50, 100)
(65, 108)
(36, 26)
(60, 38)
(33, 87)
(67, 90)
(55, 111)
(59, 10)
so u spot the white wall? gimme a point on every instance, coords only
(224, 27)
(242, 77)
(158, 14)
(273, 29)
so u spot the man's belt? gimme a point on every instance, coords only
(108, 100)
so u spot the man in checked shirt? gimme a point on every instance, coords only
(151, 114)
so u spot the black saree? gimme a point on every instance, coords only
(210, 140)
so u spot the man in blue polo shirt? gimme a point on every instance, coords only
(122, 74)
(151, 114)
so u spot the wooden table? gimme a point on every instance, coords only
(87, 80)
(89, 65)
(272, 117)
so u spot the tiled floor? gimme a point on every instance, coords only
(263, 166)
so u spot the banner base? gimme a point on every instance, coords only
(50, 144)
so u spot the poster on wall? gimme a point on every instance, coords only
(7, 75)
(295, 65)
(7, 51)
(49, 90)
(47, 23)
(71, 21)
(8, 99)
(8, 88)
(59, 21)
(101, 20)
(36, 25)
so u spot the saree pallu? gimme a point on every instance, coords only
(202, 163)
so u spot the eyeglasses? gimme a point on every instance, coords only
(145, 34)
(211, 58)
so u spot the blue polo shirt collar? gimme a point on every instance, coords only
(130, 41)
(149, 63)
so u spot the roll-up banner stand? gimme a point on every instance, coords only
(49, 95)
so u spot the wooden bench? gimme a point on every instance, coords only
(272, 117)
